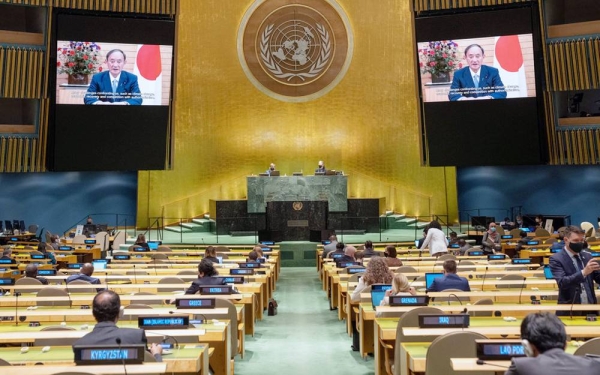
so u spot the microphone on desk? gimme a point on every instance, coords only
(577, 292)
(118, 340)
(484, 275)
(135, 276)
(17, 294)
(68, 294)
(482, 362)
(455, 296)
(522, 287)
(155, 272)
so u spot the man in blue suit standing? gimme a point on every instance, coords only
(114, 86)
(476, 81)
(450, 280)
(575, 272)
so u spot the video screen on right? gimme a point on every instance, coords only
(497, 67)
(480, 84)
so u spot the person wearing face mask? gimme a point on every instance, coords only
(271, 169)
(490, 243)
(544, 340)
(575, 272)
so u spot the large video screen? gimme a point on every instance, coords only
(101, 73)
(112, 92)
(480, 75)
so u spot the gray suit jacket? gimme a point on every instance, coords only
(106, 333)
(554, 362)
(329, 248)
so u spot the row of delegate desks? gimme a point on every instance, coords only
(413, 354)
(127, 279)
(485, 283)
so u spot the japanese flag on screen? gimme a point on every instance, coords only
(148, 69)
(508, 59)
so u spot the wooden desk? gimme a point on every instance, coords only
(470, 364)
(414, 354)
(143, 369)
(216, 335)
(190, 359)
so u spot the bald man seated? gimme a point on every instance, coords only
(85, 273)
(106, 309)
(348, 255)
(32, 271)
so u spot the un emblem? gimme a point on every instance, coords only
(297, 206)
(297, 51)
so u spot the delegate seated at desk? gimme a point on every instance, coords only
(450, 280)
(31, 271)
(106, 308)
(206, 276)
(85, 274)
(544, 339)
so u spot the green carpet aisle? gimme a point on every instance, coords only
(304, 337)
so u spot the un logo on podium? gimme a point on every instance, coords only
(295, 52)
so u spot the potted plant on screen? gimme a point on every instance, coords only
(439, 59)
(79, 60)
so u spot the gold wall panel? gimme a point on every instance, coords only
(225, 129)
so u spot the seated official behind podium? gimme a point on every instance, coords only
(575, 271)
(271, 169)
(32, 271)
(320, 167)
(85, 273)
(544, 340)
(450, 280)
(106, 308)
(206, 276)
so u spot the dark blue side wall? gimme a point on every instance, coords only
(550, 190)
(57, 201)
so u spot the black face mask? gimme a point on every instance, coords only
(576, 246)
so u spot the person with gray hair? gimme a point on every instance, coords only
(7, 254)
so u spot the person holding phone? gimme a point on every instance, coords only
(575, 271)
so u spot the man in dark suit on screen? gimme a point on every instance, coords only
(450, 280)
(106, 308)
(575, 272)
(544, 340)
(114, 86)
(476, 81)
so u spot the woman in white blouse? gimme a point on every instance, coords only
(436, 240)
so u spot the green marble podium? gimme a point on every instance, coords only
(333, 189)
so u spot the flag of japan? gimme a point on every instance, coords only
(148, 68)
(508, 59)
